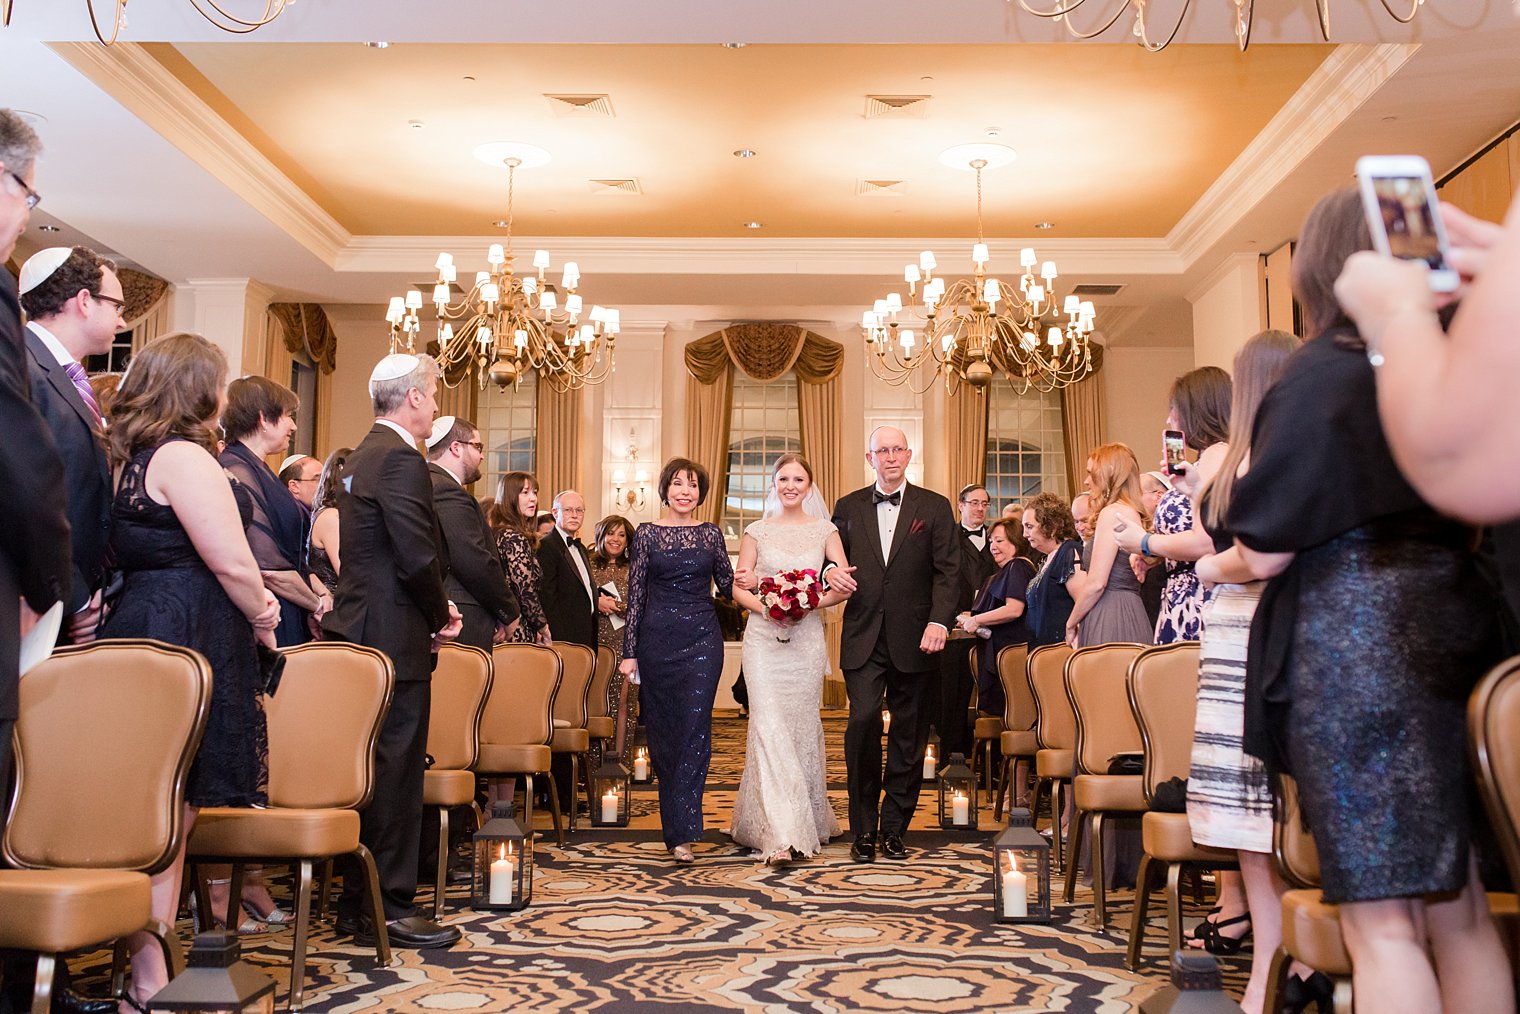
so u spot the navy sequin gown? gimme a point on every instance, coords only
(673, 633)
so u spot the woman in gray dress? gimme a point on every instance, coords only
(1108, 603)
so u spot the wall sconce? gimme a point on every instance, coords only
(625, 493)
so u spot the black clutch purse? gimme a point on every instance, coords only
(271, 667)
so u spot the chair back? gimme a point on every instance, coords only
(578, 663)
(1018, 698)
(1292, 843)
(104, 743)
(597, 704)
(461, 681)
(1055, 725)
(1096, 683)
(520, 707)
(1493, 715)
(324, 722)
(1163, 691)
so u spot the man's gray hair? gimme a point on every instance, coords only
(390, 395)
(19, 143)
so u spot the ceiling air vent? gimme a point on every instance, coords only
(902, 107)
(621, 186)
(881, 188)
(581, 105)
(1097, 289)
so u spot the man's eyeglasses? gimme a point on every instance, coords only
(33, 198)
(475, 444)
(977, 503)
(890, 452)
(120, 304)
(572, 510)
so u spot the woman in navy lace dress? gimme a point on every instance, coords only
(673, 648)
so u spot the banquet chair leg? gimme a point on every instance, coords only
(1137, 921)
(1003, 789)
(1100, 893)
(1074, 852)
(200, 896)
(1277, 981)
(441, 878)
(324, 890)
(42, 985)
(233, 917)
(377, 909)
(1173, 907)
(559, 829)
(119, 959)
(585, 760)
(302, 929)
(575, 766)
(528, 805)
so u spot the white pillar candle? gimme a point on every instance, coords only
(1015, 892)
(503, 873)
(609, 807)
(641, 767)
(960, 808)
(929, 765)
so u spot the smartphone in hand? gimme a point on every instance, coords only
(1174, 446)
(1399, 197)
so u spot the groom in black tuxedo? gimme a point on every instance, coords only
(901, 540)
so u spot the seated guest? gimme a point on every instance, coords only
(258, 421)
(322, 549)
(189, 579)
(1049, 527)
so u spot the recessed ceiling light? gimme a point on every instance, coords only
(47, 228)
(1044, 225)
(753, 225)
(377, 45)
(416, 124)
(500, 223)
(735, 45)
(962, 155)
(745, 153)
(993, 132)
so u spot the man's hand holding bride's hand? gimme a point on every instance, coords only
(841, 579)
(933, 639)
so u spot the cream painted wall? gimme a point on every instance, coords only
(1227, 309)
(1135, 385)
(362, 342)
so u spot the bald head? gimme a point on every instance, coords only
(1081, 513)
(888, 454)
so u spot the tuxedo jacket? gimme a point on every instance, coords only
(475, 581)
(977, 565)
(87, 477)
(562, 593)
(35, 555)
(916, 585)
(391, 596)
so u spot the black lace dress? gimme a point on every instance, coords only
(169, 594)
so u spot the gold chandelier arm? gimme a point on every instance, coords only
(5, 12)
(1245, 13)
(1060, 13)
(95, 22)
(272, 10)
(1414, 8)
(1151, 47)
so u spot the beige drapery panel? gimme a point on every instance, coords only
(461, 402)
(1082, 421)
(557, 442)
(967, 435)
(147, 309)
(709, 398)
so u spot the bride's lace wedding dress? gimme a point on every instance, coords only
(783, 801)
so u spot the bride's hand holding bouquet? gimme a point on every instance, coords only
(787, 597)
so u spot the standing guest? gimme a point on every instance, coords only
(955, 675)
(609, 566)
(1081, 516)
(73, 299)
(565, 588)
(901, 539)
(672, 646)
(1000, 608)
(189, 579)
(393, 599)
(300, 473)
(104, 386)
(544, 524)
(475, 582)
(1363, 650)
(323, 552)
(1049, 528)
(1108, 606)
(516, 542)
(1012, 509)
(1153, 486)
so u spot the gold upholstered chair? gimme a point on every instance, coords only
(461, 681)
(600, 722)
(110, 729)
(578, 664)
(1055, 734)
(1018, 738)
(1096, 683)
(518, 722)
(323, 726)
(1163, 691)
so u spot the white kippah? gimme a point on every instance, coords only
(1163, 478)
(392, 367)
(39, 267)
(291, 460)
(442, 427)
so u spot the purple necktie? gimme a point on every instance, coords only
(82, 385)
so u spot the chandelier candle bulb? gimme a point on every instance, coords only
(1027, 258)
(548, 302)
(911, 275)
(991, 292)
(449, 273)
(445, 261)
(573, 305)
(979, 253)
(529, 284)
(1054, 337)
(1072, 306)
(894, 303)
(414, 299)
(926, 261)
(396, 311)
(495, 255)
(1048, 271)
(440, 294)
(484, 334)
(541, 259)
(520, 339)
(490, 292)
(572, 275)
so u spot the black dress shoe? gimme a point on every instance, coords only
(413, 932)
(863, 850)
(892, 846)
(66, 1001)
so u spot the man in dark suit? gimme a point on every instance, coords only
(475, 582)
(392, 598)
(976, 566)
(901, 540)
(567, 591)
(73, 300)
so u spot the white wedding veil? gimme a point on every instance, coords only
(813, 504)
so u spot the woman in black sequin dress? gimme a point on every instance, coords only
(322, 545)
(673, 647)
(1362, 653)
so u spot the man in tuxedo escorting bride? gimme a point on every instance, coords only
(901, 539)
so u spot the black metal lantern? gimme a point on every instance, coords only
(932, 756)
(609, 794)
(1197, 988)
(643, 770)
(216, 978)
(501, 871)
(957, 795)
(1020, 871)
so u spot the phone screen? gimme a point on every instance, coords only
(1174, 444)
(1406, 205)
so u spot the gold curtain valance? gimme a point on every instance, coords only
(764, 351)
(141, 291)
(306, 327)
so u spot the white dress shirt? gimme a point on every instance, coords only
(887, 514)
(63, 355)
(580, 563)
(978, 537)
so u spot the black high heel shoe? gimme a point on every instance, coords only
(1216, 942)
(1317, 990)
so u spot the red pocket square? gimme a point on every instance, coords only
(916, 527)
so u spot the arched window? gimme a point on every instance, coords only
(763, 424)
(508, 422)
(1025, 446)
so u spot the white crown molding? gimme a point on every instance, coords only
(1336, 89)
(1242, 265)
(127, 73)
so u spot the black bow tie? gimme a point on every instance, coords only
(980, 533)
(572, 540)
(877, 496)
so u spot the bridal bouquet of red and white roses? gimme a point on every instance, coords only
(789, 595)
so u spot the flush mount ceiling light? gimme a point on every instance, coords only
(745, 153)
(754, 225)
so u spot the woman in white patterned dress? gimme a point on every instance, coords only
(783, 808)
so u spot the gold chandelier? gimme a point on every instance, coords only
(211, 10)
(510, 324)
(965, 330)
(1244, 11)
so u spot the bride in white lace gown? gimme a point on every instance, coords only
(783, 807)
